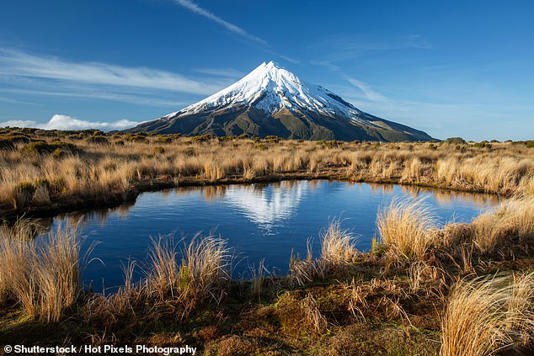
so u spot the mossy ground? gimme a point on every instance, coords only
(387, 317)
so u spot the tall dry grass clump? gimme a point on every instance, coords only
(302, 271)
(204, 268)
(406, 227)
(16, 280)
(58, 274)
(14, 258)
(528, 187)
(337, 252)
(485, 316)
(41, 276)
(163, 276)
(511, 224)
(337, 245)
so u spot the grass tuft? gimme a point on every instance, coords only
(406, 228)
(201, 274)
(485, 316)
(42, 277)
(512, 223)
(337, 252)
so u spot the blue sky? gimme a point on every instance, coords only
(451, 68)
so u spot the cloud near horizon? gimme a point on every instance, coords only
(66, 122)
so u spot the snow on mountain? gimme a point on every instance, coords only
(270, 87)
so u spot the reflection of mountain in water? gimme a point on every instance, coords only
(263, 204)
(267, 205)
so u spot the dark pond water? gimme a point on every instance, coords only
(264, 221)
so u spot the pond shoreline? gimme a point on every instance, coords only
(112, 200)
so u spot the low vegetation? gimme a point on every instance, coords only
(440, 293)
(485, 316)
(424, 288)
(42, 278)
(51, 171)
(406, 228)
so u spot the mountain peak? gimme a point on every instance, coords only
(272, 71)
(272, 65)
(269, 85)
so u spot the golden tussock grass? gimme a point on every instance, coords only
(204, 268)
(511, 223)
(337, 245)
(171, 285)
(406, 228)
(485, 316)
(42, 277)
(337, 252)
(105, 172)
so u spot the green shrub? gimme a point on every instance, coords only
(75, 137)
(22, 195)
(48, 148)
(483, 144)
(202, 138)
(58, 153)
(99, 140)
(456, 140)
(331, 143)
(8, 142)
(6, 145)
(261, 147)
(158, 150)
(163, 139)
(272, 138)
(139, 139)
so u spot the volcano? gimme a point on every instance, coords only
(270, 100)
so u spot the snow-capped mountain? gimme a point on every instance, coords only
(270, 100)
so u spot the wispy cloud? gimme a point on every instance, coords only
(364, 88)
(83, 93)
(260, 43)
(221, 72)
(190, 5)
(65, 122)
(11, 101)
(285, 58)
(345, 47)
(16, 63)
